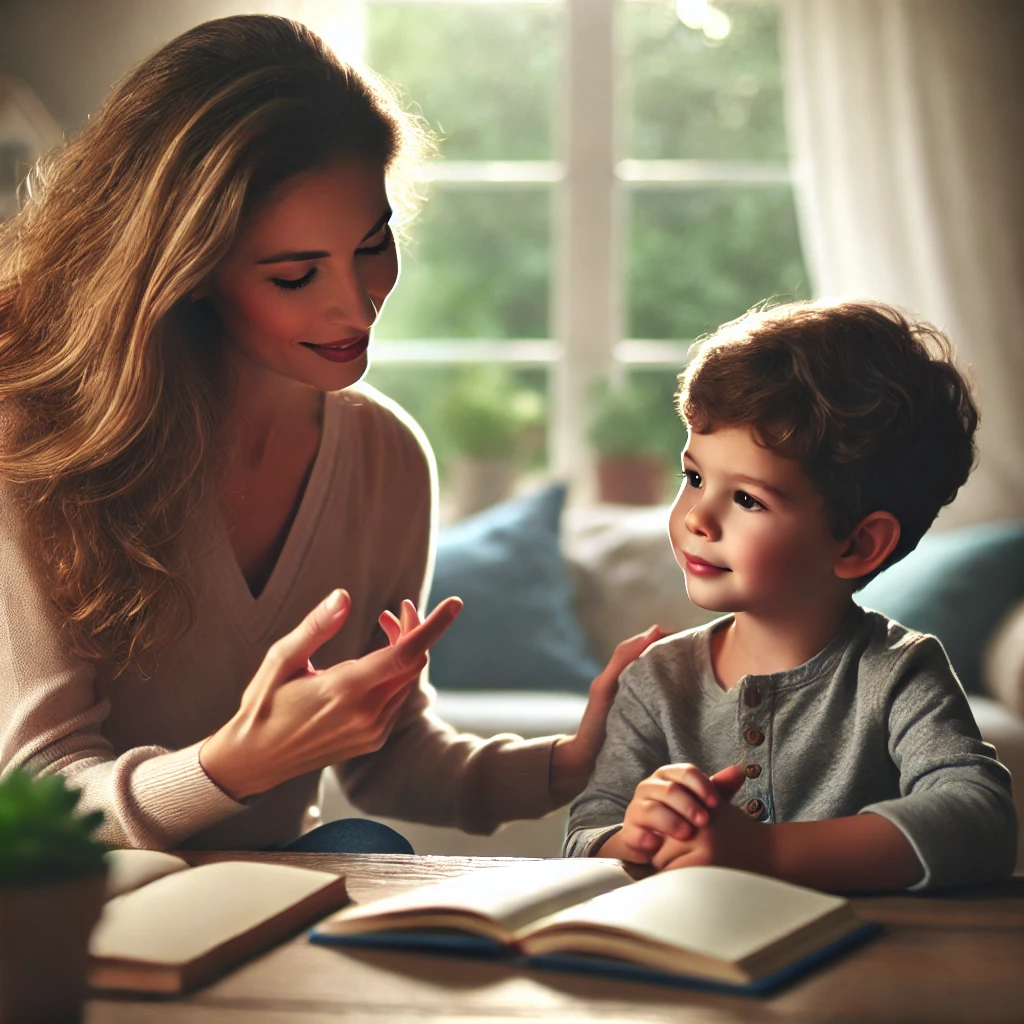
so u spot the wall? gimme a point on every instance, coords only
(70, 52)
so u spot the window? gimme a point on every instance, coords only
(614, 182)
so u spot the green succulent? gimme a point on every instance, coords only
(633, 419)
(487, 414)
(42, 839)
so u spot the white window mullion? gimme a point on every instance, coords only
(587, 290)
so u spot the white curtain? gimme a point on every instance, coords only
(907, 129)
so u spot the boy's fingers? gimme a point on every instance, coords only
(729, 780)
(659, 817)
(693, 779)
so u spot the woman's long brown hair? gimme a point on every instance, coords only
(111, 379)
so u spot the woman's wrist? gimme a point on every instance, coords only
(568, 776)
(226, 765)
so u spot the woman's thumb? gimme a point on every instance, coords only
(296, 647)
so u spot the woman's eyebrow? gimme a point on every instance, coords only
(319, 254)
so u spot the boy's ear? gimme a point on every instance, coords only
(869, 544)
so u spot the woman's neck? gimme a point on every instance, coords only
(267, 408)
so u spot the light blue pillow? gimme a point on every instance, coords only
(957, 585)
(518, 629)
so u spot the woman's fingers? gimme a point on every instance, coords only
(290, 655)
(391, 625)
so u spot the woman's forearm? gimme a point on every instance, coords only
(862, 853)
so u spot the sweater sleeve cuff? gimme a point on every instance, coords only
(585, 842)
(178, 796)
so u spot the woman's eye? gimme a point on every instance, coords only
(378, 247)
(692, 477)
(746, 501)
(291, 284)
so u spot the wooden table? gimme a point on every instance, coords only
(956, 957)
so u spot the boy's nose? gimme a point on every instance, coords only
(700, 520)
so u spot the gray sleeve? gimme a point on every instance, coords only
(955, 806)
(634, 747)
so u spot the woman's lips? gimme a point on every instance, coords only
(701, 568)
(341, 351)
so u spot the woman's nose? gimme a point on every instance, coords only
(351, 303)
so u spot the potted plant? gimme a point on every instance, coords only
(489, 421)
(52, 882)
(635, 434)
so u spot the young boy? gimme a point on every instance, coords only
(802, 736)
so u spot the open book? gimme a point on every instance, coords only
(167, 927)
(708, 926)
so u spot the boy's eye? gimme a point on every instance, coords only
(692, 477)
(291, 284)
(746, 501)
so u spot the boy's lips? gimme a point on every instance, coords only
(341, 351)
(700, 567)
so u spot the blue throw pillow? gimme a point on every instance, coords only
(518, 630)
(957, 585)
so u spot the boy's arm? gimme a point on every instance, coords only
(861, 853)
(857, 854)
(955, 807)
(634, 747)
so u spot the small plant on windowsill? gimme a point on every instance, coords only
(52, 882)
(635, 436)
(491, 423)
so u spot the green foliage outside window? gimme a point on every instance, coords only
(484, 76)
(693, 99)
(477, 266)
(701, 256)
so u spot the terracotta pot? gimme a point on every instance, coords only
(633, 480)
(44, 949)
(478, 483)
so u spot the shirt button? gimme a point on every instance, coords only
(752, 697)
(752, 771)
(754, 737)
(756, 809)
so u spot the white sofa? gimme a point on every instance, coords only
(625, 578)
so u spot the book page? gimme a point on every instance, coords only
(508, 896)
(716, 912)
(131, 869)
(184, 915)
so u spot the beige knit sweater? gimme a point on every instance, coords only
(132, 744)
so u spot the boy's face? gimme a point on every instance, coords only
(749, 529)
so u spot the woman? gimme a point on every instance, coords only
(185, 306)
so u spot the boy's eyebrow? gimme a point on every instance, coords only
(319, 254)
(760, 483)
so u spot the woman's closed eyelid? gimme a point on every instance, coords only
(292, 284)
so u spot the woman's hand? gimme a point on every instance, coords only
(572, 760)
(294, 719)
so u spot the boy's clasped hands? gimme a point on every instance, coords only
(680, 817)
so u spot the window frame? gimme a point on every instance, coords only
(590, 183)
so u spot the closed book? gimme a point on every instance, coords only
(167, 927)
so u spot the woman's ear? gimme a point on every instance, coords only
(869, 544)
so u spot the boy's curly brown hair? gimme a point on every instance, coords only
(868, 401)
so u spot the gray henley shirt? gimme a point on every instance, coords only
(876, 722)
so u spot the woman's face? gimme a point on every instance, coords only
(308, 275)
